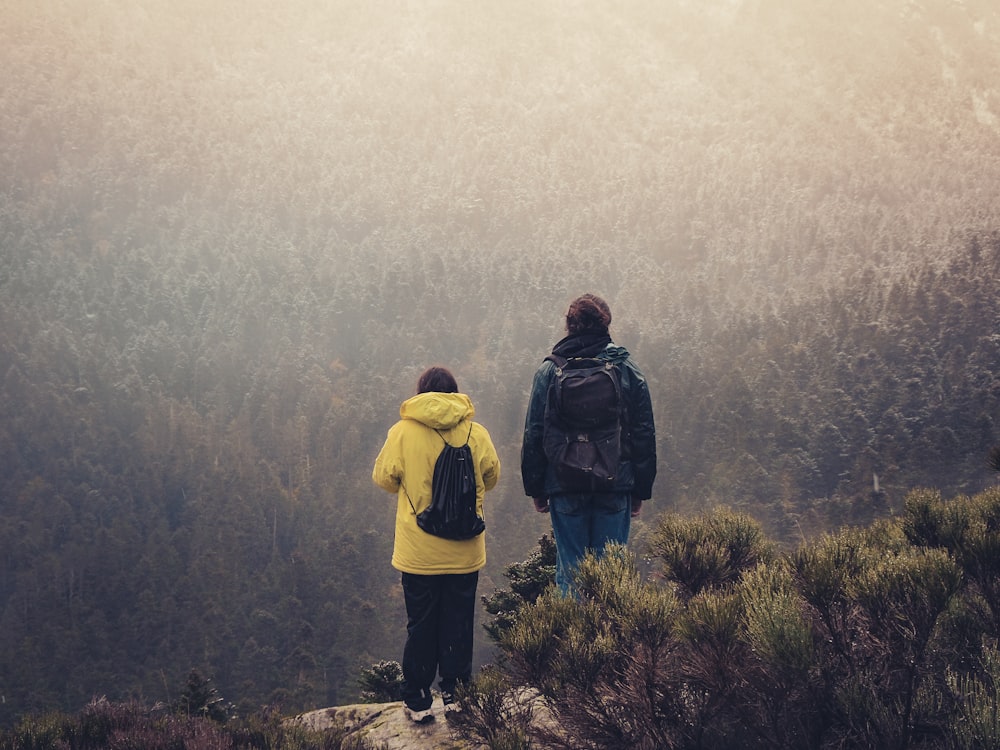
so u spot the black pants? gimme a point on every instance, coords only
(440, 614)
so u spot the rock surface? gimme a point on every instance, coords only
(386, 726)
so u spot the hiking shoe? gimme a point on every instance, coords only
(418, 717)
(450, 706)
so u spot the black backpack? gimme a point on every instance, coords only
(582, 430)
(452, 512)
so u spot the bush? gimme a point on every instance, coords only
(976, 725)
(882, 636)
(200, 698)
(131, 726)
(968, 529)
(494, 713)
(602, 661)
(709, 551)
(382, 682)
(528, 581)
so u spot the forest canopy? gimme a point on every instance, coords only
(231, 237)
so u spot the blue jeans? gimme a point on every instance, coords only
(582, 523)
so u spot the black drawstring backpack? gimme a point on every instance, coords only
(452, 512)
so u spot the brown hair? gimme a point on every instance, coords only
(437, 380)
(588, 312)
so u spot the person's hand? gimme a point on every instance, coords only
(636, 507)
(541, 504)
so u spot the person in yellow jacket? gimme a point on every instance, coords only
(440, 576)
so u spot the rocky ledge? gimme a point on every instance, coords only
(385, 725)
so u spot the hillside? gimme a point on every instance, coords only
(231, 238)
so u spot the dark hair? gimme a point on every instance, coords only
(437, 380)
(588, 312)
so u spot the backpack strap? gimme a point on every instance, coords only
(556, 360)
(456, 446)
(561, 362)
(407, 497)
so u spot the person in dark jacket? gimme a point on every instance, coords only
(583, 521)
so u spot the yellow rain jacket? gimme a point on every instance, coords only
(405, 466)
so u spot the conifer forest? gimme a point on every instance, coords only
(233, 234)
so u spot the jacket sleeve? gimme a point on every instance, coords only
(533, 460)
(489, 461)
(388, 465)
(642, 434)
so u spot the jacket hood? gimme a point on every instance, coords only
(439, 411)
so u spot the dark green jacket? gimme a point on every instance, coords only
(638, 465)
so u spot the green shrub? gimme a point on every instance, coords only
(528, 581)
(709, 551)
(778, 634)
(601, 659)
(200, 698)
(976, 725)
(382, 682)
(969, 529)
(868, 637)
(881, 609)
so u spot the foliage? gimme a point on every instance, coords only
(866, 637)
(968, 529)
(528, 581)
(709, 551)
(131, 726)
(492, 713)
(200, 698)
(977, 723)
(600, 663)
(382, 682)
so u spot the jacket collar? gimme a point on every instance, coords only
(584, 344)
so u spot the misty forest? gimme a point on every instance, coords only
(232, 235)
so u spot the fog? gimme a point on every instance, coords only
(232, 236)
